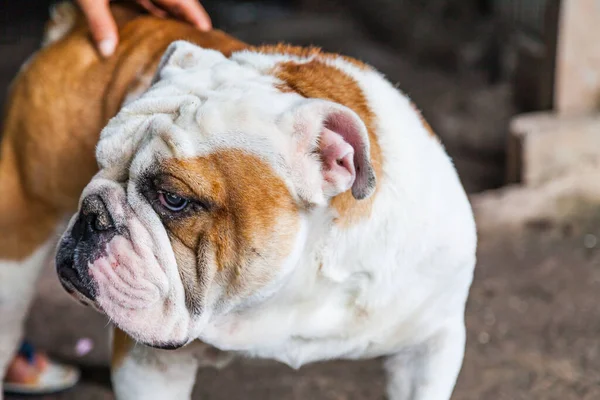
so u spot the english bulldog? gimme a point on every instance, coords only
(274, 202)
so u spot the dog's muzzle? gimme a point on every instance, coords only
(92, 230)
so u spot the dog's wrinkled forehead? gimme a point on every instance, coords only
(200, 101)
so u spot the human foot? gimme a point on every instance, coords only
(31, 372)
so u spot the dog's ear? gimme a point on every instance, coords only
(339, 139)
(181, 55)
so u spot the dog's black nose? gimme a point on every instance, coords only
(92, 230)
(96, 215)
(94, 219)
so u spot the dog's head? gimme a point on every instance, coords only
(201, 206)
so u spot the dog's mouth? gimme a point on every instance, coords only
(167, 346)
(84, 294)
(77, 291)
(75, 279)
(73, 284)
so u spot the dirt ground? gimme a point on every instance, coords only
(533, 317)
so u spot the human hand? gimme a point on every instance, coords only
(104, 28)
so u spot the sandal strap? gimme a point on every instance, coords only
(27, 351)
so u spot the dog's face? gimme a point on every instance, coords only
(201, 206)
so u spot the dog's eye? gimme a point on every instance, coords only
(172, 201)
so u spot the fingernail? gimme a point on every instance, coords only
(203, 25)
(107, 47)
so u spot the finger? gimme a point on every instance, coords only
(102, 25)
(151, 8)
(188, 10)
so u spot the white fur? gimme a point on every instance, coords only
(17, 288)
(62, 20)
(155, 374)
(394, 284)
(148, 373)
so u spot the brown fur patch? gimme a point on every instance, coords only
(26, 222)
(250, 219)
(56, 110)
(316, 79)
(307, 52)
(121, 344)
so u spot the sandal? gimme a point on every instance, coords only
(32, 373)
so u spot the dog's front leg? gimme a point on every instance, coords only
(142, 372)
(428, 371)
(17, 288)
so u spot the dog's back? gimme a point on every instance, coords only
(59, 103)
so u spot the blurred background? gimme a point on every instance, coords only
(512, 88)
